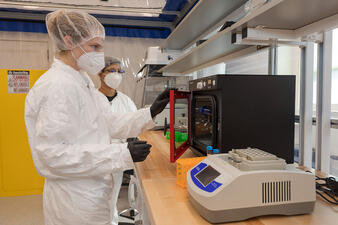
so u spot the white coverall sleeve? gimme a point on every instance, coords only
(131, 105)
(56, 130)
(126, 125)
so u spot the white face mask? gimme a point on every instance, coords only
(91, 62)
(113, 80)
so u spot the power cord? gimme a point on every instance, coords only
(329, 186)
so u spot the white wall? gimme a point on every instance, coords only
(252, 64)
(212, 70)
(24, 50)
(131, 51)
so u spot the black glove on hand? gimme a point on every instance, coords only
(160, 103)
(132, 139)
(139, 150)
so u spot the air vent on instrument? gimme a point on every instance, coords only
(276, 191)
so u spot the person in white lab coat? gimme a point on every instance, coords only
(111, 76)
(70, 126)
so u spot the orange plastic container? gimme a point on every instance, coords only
(182, 167)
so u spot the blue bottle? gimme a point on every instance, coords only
(209, 150)
(215, 151)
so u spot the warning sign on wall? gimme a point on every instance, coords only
(18, 81)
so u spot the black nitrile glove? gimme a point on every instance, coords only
(132, 139)
(160, 103)
(139, 150)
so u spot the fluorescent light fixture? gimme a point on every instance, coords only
(31, 7)
(150, 14)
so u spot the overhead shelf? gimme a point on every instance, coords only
(199, 20)
(214, 49)
(217, 47)
(300, 17)
(296, 15)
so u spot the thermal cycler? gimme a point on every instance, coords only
(246, 183)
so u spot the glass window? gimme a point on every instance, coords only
(334, 106)
(334, 88)
(289, 64)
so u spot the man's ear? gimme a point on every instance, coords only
(68, 42)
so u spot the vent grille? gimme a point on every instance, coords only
(277, 191)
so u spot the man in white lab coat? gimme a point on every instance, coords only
(70, 126)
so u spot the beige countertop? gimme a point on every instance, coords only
(168, 204)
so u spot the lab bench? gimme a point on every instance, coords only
(168, 204)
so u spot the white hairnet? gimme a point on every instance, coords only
(80, 26)
(110, 60)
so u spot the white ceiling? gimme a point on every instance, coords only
(111, 7)
(118, 3)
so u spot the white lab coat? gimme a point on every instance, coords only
(120, 104)
(70, 126)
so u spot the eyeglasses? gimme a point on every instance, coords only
(113, 71)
